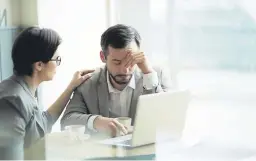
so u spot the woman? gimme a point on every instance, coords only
(35, 59)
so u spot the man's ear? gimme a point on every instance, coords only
(102, 57)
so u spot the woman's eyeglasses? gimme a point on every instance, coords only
(57, 59)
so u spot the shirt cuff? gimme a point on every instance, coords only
(90, 123)
(150, 80)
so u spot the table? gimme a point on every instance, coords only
(218, 130)
(59, 147)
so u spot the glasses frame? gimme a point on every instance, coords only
(57, 60)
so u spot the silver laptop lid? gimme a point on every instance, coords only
(161, 116)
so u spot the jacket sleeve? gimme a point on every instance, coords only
(12, 130)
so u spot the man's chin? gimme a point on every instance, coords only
(121, 82)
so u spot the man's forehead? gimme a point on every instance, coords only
(132, 46)
(121, 53)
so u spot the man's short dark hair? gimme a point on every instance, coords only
(119, 36)
(33, 45)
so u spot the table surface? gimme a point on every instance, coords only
(59, 146)
(214, 130)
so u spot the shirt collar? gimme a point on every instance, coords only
(111, 89)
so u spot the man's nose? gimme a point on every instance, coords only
(125, 70)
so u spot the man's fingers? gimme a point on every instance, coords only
(139, 56)
(120, 126)
(139, 59)
(134, 60)
(131, 57)
(127, 58)
(113, 128)
(129, 62)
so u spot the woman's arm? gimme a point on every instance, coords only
(58, 106)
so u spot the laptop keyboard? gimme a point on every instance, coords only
(127, 142)
(122, 140)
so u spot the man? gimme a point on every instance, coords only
(113, 91)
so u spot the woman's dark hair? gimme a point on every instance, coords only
(33, 45)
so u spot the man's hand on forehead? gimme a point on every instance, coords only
(133, 58)
(139, 58)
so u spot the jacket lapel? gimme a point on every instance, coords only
(104, 102)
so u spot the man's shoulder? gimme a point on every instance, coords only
(93, 80)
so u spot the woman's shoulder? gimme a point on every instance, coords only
(12, 95)
(10, 87)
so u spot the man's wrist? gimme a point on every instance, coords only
(146, 70)
(91, 122)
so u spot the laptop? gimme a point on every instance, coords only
(159, 117)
